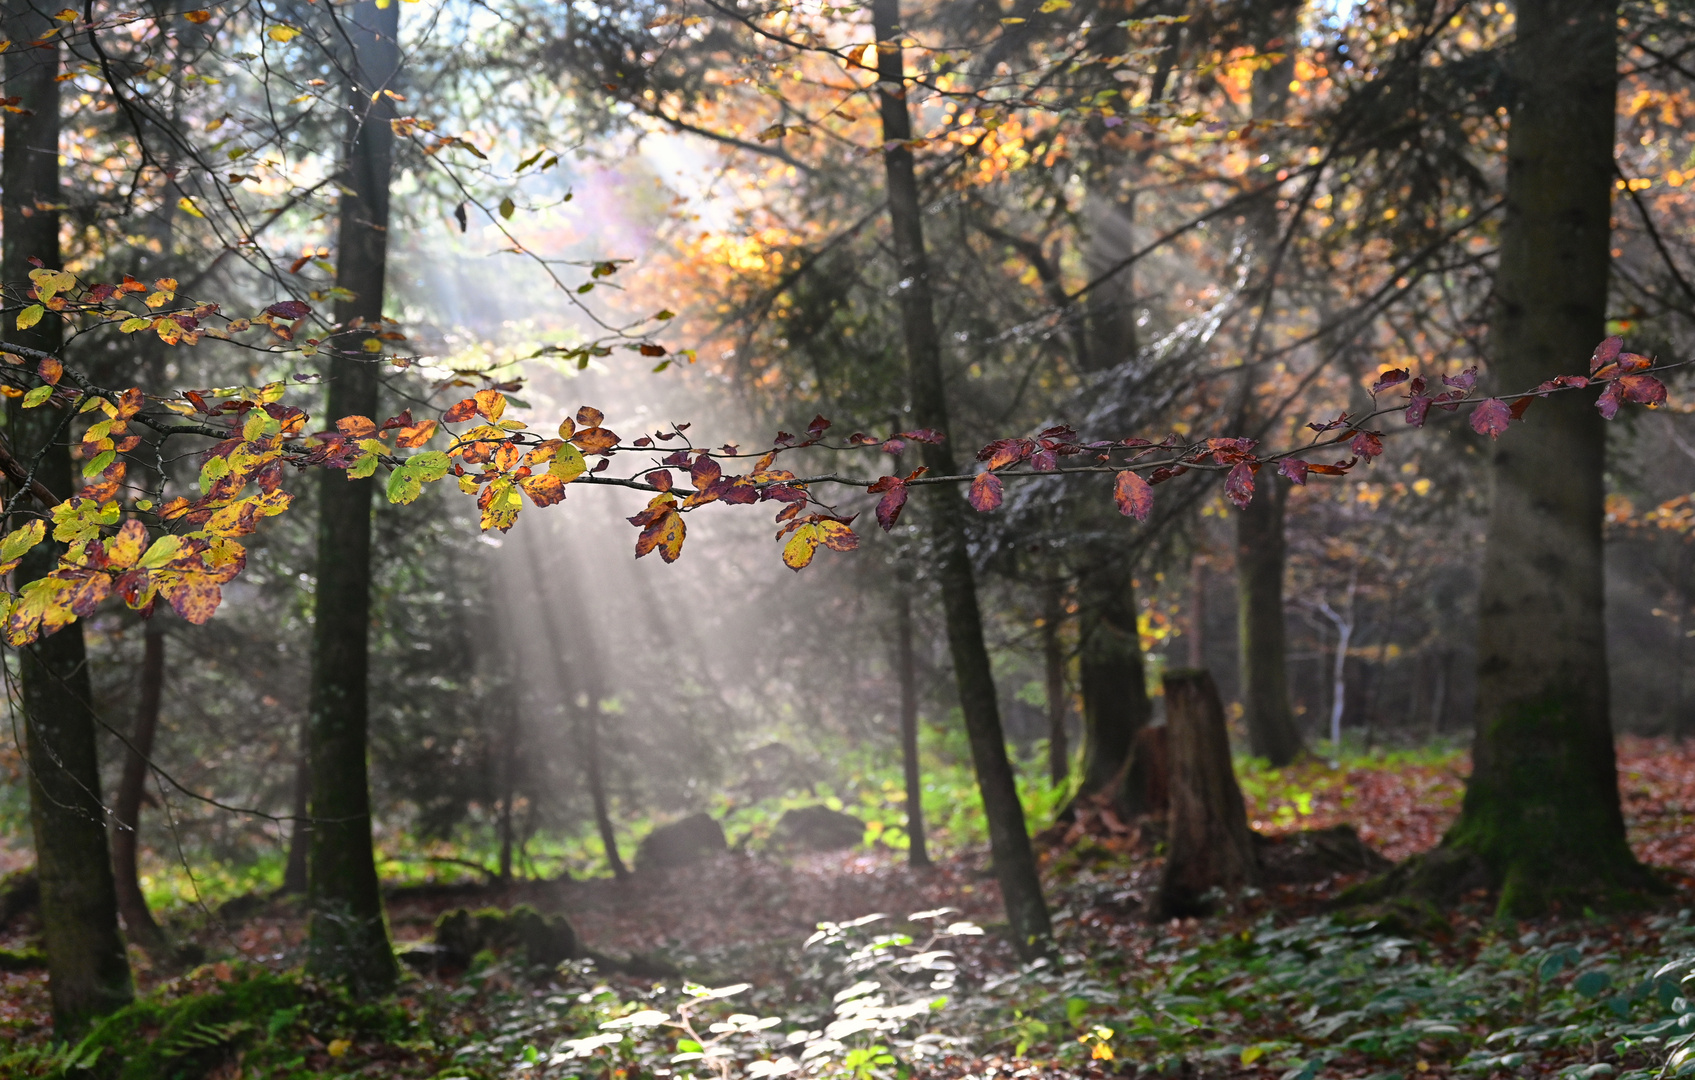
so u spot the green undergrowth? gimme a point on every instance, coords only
(224, 1020)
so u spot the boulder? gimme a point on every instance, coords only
(681, 843)
(818, 828)
(1314, 855)
(547, 940)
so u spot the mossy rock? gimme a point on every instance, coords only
(818, 828)
(546, 940)
(681, 843)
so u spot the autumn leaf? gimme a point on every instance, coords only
(289, 309)
(460, 412)
(29, 316)
(1491, 418)
(1134, 495)
(491, 403)
(1609, 401)
(416, 434)
(544, 489)
(18, 542)
(663, 529)
(37, 396)
(51, 371)
(1392, 377)
(1643, 389)
(1239, 484)
(1295, 469)
(893, 490)
(282, 32)
(1366, 444)
(1605, 353)
(985, 493)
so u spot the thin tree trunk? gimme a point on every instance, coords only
(1198, 613)
(585, 715)
(906, 671)
(126, 811)
(1009, 838)
(1110, 672)
(88, 973)
(1053, 662)
(300, 829)
(508, 776)
(1541, 816)
(1260, 551)
(1209, 843)
(347, 936)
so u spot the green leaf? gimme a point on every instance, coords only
(507, 207)
(37, 396)
(161, 553)
(429, 466)
(364, 465)
(97, 464)
(1592, 983)
(29, 316)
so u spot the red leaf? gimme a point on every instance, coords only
(1610, 399)
(661, 479)
(1491, 418)
(289, 309)
(1520, 405)
(460, 412)
(1465, 380)
(589, 416)
(818, 426)
(1644, 389)
(1134, 496)
(1366, 444)
(1393, 377)
(704, 471)
(923, 435)
(889, 506)
(1045, 461)
(1416, 410)
(985, 494)
(894, 446)
(1605, 353)
(1295, 469)
(1239, 485)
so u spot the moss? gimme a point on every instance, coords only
(1540, 828)
(546, 941)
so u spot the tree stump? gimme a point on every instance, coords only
(1144, 783)
(1210, 845)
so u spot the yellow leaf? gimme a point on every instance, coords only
(19, 541)
(37, 396)
(186, 205)
(798, 552)
(1252, 1054)
(50, 283)
(163, 550)
(1050, 6)
(568, 464)
(130, 326)
(29, 316)
(339, 1047)
(282, 32)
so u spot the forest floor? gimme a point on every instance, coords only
(1271, 987)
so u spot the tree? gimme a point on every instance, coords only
(1260, 559)
(1541, 820)
(126, 808)
(88, 972)
(348, 933)
(1009, 837)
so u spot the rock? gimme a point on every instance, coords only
(818, 828)
(546, 940)
(681, 843)
(20, 894)
(1317, 854)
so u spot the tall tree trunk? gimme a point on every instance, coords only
(906, 671)
(1541, 818)
(126, 811)
(1260, 553)
(1053, 663)
(508, 785)
(88, 973)
(347, 937)
(300, 829)
(1210, 845)
(585, 715)
(1009, 839)
(1110, 671)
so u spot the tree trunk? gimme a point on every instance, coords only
(1209, 843)
(300, 829)
(1541, 821)
(1009, 839)
(508, 778)
(906, 671)
(88, 972)
(1113, 680)
(347, 936)
(126, 812)
(585, 715)
(1053, 661)
(1272, 733)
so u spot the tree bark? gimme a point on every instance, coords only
(1110, 672)
(300, 829)
(906, 672)
(1542, 808)
(126, 811)
(1210, 845)
(1053, 662)
(1260, 553)
(1009, 838)
(88, 972)
(1541, 822)
(347, 933)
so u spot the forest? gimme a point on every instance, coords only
(868, 540)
